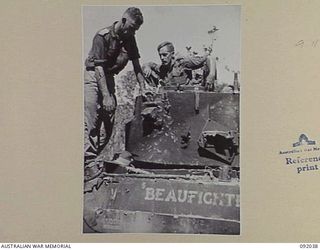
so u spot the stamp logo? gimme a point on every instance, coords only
(303, 140)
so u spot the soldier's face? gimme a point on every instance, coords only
(166, 56)
(129, 27)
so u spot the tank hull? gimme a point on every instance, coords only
(180, 180)
(162, 204)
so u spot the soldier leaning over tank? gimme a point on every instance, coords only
(111, 49)
(176, 69)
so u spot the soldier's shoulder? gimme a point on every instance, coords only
(104, 31)
(178, 55)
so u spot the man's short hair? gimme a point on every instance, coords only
(166, 44)
(135, 14)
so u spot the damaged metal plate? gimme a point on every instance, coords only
(172, 137)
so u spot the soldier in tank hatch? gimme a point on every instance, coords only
(176, 69)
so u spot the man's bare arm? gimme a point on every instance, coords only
(108, 100)
(194, 61)
(138, 71)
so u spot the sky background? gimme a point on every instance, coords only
(182, 25)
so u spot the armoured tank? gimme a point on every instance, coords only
(183, 176)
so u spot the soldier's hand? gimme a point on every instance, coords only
(147, 71)
(109, 103)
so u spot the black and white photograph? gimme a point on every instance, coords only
(161, 96)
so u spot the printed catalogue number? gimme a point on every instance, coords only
(308, 245)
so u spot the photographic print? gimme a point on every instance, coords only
(161, 119)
